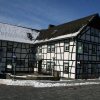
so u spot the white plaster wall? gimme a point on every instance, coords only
(61, 56)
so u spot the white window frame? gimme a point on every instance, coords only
(66, 67)
(66, 46)
(51, 48)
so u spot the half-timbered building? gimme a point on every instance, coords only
(72, 49)
(16, 47)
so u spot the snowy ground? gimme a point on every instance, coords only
(44, 83)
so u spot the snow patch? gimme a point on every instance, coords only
(38, 84)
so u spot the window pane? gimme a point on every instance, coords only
(40, 49)
(66, 68)
(48, 49)
(48, 66)
(66, 47)
(80, 47)
(94, 49)
(85, 48)
(52, 48)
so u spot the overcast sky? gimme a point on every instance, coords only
(40, 13)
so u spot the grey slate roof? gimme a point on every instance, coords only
(68, 28)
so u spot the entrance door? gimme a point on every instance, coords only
(94, 71)
(39, 66)
(85, 71)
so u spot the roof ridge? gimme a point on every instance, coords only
(67, 28)
(18, 26)
(92, 15)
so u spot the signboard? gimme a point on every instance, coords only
(9, 66)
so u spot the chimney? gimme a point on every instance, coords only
(50, 26)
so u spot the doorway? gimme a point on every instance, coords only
(40, 66)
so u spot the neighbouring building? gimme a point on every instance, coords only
(72, 49)
(16, 46)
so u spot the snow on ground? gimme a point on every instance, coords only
(37, 83)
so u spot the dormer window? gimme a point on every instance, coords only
(29, 35)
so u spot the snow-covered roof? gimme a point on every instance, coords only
(17, 33)
(62, 36)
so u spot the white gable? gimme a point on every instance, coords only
(16, 33)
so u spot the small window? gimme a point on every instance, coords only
(9, 61)
(94, 32)
(94, 68)
(20, 62)
(40, 49)
(9, 48)
(31, 63)
(48, 66)
(66, 68)
(85, 48)
(85, 68)
(94, 49)
(33, 50)
(51, 49)
(1, 52)
(80, 47)
(66, 48)
(48, 49)
(29, 35)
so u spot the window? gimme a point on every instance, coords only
(80, 47)
(33, 50)
(51, 49)
(66, 48)
(31, 63)
(9, 61)
(9, 48)
(20, 62)
(29, 35)
(94, 32)
(85, 69)
(66, 68)
(40, 49)
(94, 49)
(1, 52)
(48, 49)
(85, 48)
(48, 66)
(94, 68)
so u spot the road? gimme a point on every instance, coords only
(88, 92)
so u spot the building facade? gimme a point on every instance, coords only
(16, 47)
(72, 49)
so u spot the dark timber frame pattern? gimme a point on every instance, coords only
(24, 56)
(84, 64)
